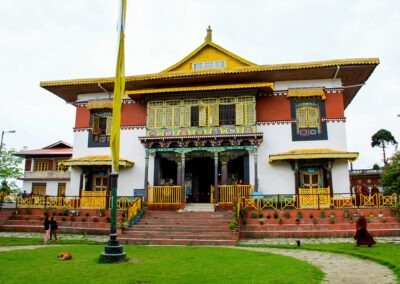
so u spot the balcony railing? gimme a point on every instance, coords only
(47, 174)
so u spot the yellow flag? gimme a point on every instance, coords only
(119, 90)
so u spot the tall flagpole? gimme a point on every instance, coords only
(113, 251)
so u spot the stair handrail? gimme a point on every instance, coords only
(135, 209)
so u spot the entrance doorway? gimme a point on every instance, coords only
(199, 177)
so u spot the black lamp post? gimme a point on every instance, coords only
(113, 251)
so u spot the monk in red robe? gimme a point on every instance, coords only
(362, 236)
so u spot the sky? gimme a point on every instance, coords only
(45, 40)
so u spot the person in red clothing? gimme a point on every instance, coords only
(362, 236)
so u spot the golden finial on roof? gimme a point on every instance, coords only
(209, 34)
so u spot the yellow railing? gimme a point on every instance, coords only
(212, 194)
(165, 195)
(228, 193)
(93, 199)
(314, 197)
(134, 207)
(309, 200)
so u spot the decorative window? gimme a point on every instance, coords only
(209, 65)
(246, 111)
(41, 166)
(101, 122)
(208, 112)
(38, 189)
(201, 112)
(100, 183)
(308, 124)
(61, 189)
(60, 166)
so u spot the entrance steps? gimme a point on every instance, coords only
(199, 207)
(181, 228)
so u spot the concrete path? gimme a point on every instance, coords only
(337, 267)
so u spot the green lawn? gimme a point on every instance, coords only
(157, 264)
(387, 254)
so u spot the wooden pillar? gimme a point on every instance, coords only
(146, 173)
(146, 170)
(216, 177)
(255, 171)
(183, 177)
(179, 173)
(224, 171)
(329, 173)
(296, 177)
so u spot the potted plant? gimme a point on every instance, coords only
(380, 214)
(322, 214)
(276, 216)
(346, 213)
(280, 221)
(101, 212)
(332, 220)
(253, 215)
(260, 215)
(370, 214)
(299, 214)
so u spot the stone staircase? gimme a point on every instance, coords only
(181, 228)
(316, 227)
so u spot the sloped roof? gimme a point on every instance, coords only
(319, 153)
(353, 72)
(59, 148)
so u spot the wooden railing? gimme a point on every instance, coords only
(302, 201)
(314, 197)
(229, 193)
(93, 199)
(134, 207)
(165, 195)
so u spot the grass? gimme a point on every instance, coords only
(387, 254)
(148, 264)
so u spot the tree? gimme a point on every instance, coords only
(390, 178)
(9, 171)
(383, 138)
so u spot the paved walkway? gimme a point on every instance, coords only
(337, 267)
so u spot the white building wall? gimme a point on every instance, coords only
(340, 176)
(51, 186)
(278, 177)
(131, 149)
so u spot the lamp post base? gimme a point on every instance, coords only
(113, 251)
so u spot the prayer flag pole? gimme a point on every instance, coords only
(113, 251)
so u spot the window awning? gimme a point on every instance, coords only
(304, 93)
(100, 104)
(304, 154)
(101, 160)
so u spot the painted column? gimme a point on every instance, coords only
(224, 171)
(329, 173)
(296, 177)
(179, 172)
(183, 177)
(146, 173)
(216, 177)
(255, 171)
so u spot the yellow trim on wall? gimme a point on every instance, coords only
(322, 153)
(200, 88)
(100, 104)
(308, 92)
(100, 160)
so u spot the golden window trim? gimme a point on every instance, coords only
(98, 104)
(306, 92)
